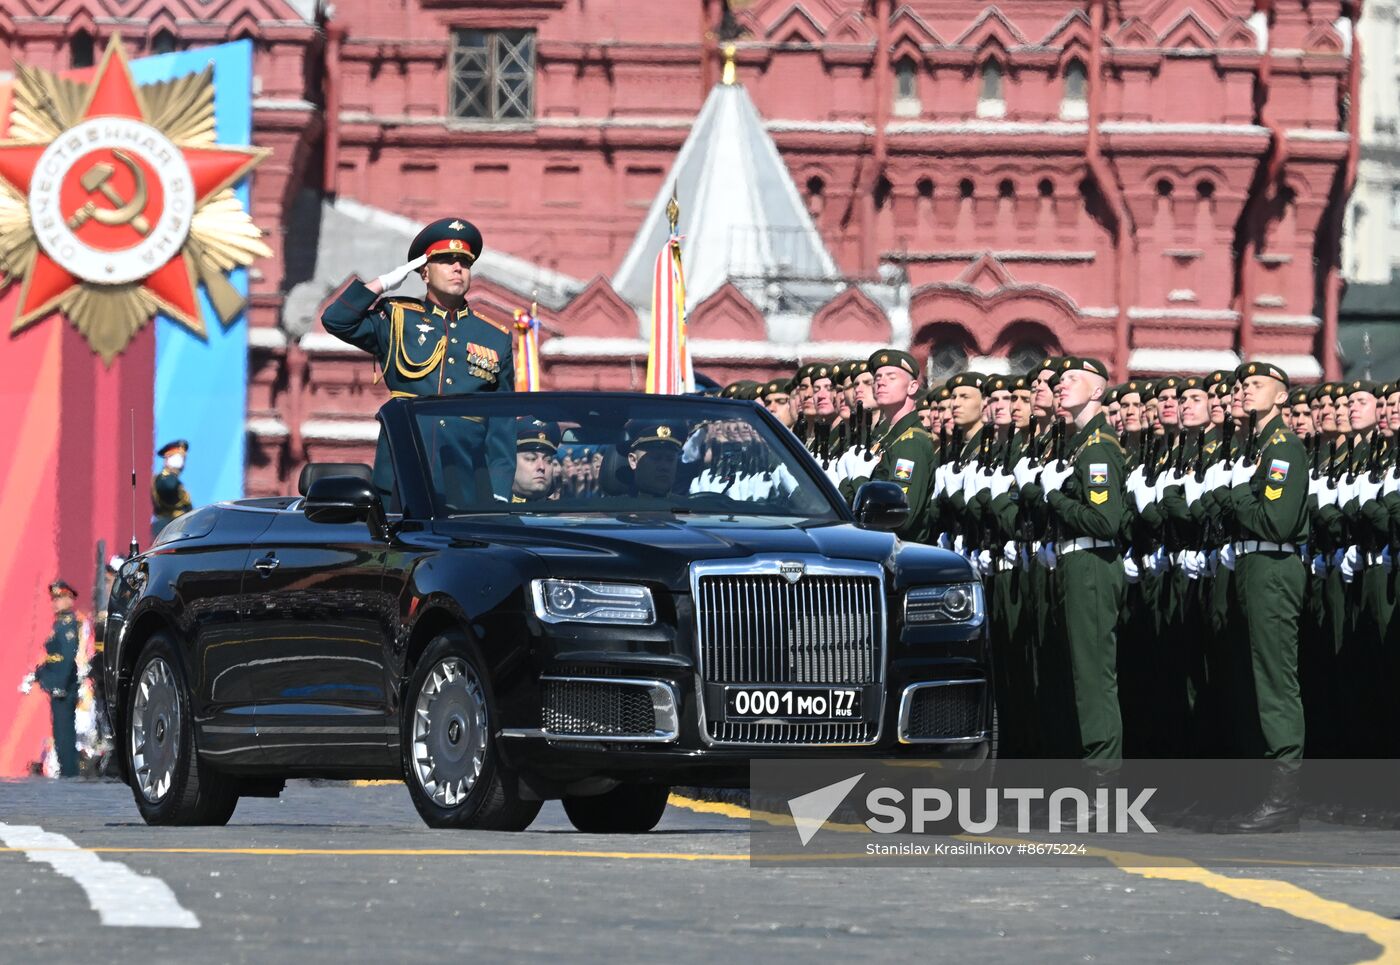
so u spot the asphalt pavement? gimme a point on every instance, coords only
(347, 873)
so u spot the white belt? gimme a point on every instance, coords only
(1263, 546)
(1000, 564)
(1083, 543)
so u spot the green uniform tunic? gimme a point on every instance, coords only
(1271, 507)
(1088, 589)
(58, 676)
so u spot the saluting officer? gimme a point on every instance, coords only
(169, 498)
(436, 346)
(57, 676)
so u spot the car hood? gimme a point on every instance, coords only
(661, 547)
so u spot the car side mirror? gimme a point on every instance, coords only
(880, 505)
(346, 499)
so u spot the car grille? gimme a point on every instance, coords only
(952, 712)
(595, 708)
(758, 628)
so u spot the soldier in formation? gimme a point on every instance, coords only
(1177, 567)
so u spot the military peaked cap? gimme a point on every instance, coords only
(447, 235)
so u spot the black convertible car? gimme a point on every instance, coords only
(459, 617)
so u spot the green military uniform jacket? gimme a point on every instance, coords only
(58, 674)
(422, 348)
(908, 459)
(1090, 503)
(169, 498)
(1273, 505)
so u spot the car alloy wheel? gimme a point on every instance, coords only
(155, 730)
(450, 732)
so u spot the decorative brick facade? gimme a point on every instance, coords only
(1157, 182)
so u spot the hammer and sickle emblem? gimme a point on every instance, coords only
(97, 180)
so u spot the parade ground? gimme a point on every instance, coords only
(343, 872)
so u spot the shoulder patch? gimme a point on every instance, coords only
(1277, 437)
(1098, 498)
(502, 326)
(1273, 492)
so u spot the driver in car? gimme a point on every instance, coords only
(536, 443)
(653, 455)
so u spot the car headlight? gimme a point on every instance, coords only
(577, 601)
(960, 603)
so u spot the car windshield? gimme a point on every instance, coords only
(537, 452)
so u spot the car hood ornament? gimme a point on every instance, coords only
(792, 572)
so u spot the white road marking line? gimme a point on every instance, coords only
(121, 897)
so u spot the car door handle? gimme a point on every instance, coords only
(267, 564)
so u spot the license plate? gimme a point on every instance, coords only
(791, 703)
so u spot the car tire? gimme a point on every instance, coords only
(172, 786)
(451, 762)
(626, 809)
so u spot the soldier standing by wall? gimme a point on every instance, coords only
(57, 676)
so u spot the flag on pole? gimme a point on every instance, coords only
(669, 370)
(527, 350)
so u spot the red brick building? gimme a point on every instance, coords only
(1157, 182)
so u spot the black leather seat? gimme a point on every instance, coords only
(313, 471)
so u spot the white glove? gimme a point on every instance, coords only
(1024, 472)
(972, 484)
(394, 278)
(1319, 565)
(1010, 553)
(1194, 563)
(958, 545)
(1192, 489)
(940, 480)
(1046, 556)
(944, 542)
(1164, 480)
(1135, 479)
(954, 479)
(1327, 494)
(1130, 569)
(1346, 491)
(27, 684)
(1241, 474)
(984, 562)
(1143, 493)
(1052, 477)
(1158, 561)
(1391, 483)
(1351, 563)
(1366, 490)
(1001, 483)
(1227, 556)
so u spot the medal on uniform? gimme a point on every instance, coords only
(423, 331)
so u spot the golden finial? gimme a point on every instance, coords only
(729, 78)
(673, 210)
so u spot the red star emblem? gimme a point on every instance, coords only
(123, 202)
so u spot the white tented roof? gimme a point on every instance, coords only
(741, 217)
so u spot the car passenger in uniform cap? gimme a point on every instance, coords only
(536, 444)
(169, 498)
(434, 346)
(653, 455)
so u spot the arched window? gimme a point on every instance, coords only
(80, 50)
(1026, 355)
(946, 359)
(906, 87)
(990, 102)
(163, 42)
(1074, 105)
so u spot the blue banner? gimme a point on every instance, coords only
(201, 390)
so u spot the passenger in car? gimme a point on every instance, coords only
(536, 443)
(653, 456)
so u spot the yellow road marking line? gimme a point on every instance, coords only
(1267, 893)
(407, 852)
(375, 783)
